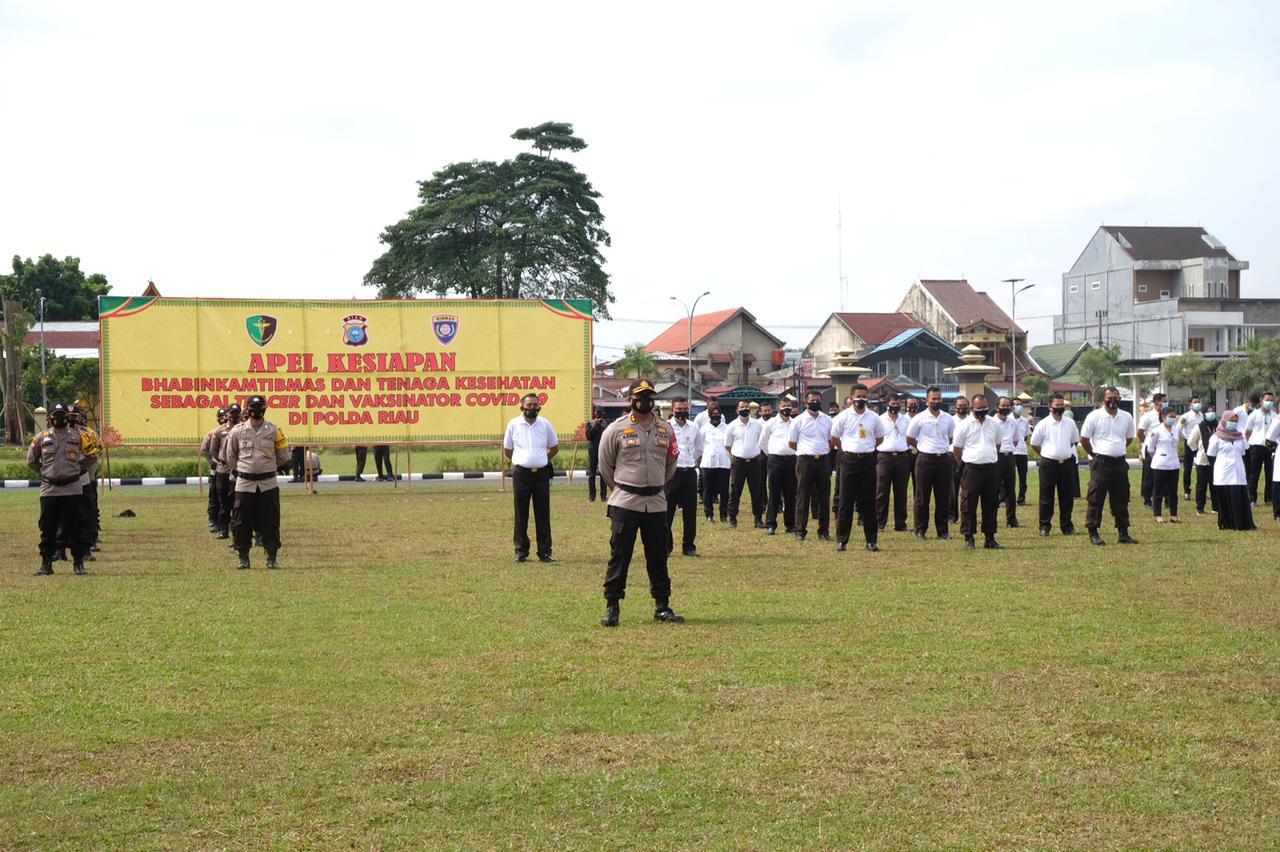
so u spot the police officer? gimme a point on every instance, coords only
(222, 478)
(595, 431)
(61, 454)
(208, 454)
(256, 450)
(637, 459)
(88, 483)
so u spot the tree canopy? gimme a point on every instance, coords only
(525, 228)
(1097, 368)
(1189, 370)
(635, 362)
(69, 294)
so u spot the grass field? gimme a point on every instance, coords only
(403, 683)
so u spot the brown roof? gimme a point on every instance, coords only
(966, 305)
(1147, 243)
(874, 329)
(676, 338)
(63, 339)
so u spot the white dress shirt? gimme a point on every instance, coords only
(811, 433)
(895, 433)
(1274, 437)
(1228, 461)
(978, 440)
(1147, 421)
(857, 431)
(776, 437)
(1107, 434)
(1189, 423)
(1198, 445)
(932, 434)
(1258, 425)
(1162, 448)
(1056, 439)
(743, 439)
(1023, 424)
(714, 452)
(529, 442)
(1009, 432)
(688, 441)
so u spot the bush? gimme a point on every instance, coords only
(16, 470)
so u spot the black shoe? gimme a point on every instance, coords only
(1013, 525)
(522, 557)
(772, 530)
(244, 562)
(591, 499)
(710, 519)
(800, 536)
(904, 529)
(1095, 539)
(1147, 503)
(1125, 538)
(690, 551)
(1186, 495)
(873, 547)
(1068, 530)
(944, 536)
(668, 615)
(213, 528)
(841, 547)
(1044, 532)
(360, 478)
(46, 568)
(992, 544)
(824, 536)
(733, 523)
(222, 534)
(272, 563)
(1022, 501)
(546, 557)
(879, 528)
(79, 568)
(919, 536)
(759, 525)
(969, 544)
(611, 613)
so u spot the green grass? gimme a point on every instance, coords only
(403, 683)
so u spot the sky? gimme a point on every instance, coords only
(258, 149)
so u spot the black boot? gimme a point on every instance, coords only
(224, 533)
(271, 561)
(992, 544)
(1125, 538)
(46, 567)
(78, 567)
(969, 543)
(244, 560)
(666, 614)
(1094, 538)
(611, 613)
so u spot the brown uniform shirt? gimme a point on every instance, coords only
(641, 456)
(217, 455)
(64, 456)
(256, 450)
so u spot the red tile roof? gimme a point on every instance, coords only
(966, 305)
(676, 338)
(874, 329)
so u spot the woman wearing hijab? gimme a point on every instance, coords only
(1161, 445)
(1198, 444)
(1227, 448)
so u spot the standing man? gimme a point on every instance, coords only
(810, 438)
(382, 460)
(957, 466)
(637, 458)
(208, 453)
(1149, 420)
(930, 433)
(682, 490)
(1054, 440)
(1022, 420)
(715, 468)
(742, 440)
(1105, 437)
(977, 440)
(1260, 463)
(225, 520)
(1009, 432)
(89, 481)
(1188, 425)
(255, 451)
(595, 431)
(893, 467)
(61, 454)
(362, 458)
(781, 464)
(531, 443)
(858, 430)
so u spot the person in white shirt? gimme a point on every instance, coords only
(1054, 439)
(957, 467)
(715, 468)
(1162, 449)
(1022, 419)
(1228, 449)
(811, 439)
(1006, 471)
(1260, 461)
(930, 434)
(781, 466)
(893, 467)
(859, 430)
(682, 489)
(700, 421)
(742, 438)
(1198, 443)
(1105, 437)
(1148, 421)
(1188, 425)
(530, 443)
(976, 442)
(1273, 438)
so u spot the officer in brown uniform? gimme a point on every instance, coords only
(62, 455)
(207, 452)
(638, 454)
(256, 449)
(222, 474)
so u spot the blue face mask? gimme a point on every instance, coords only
(1171, 421)
(1233, 427)
(1195, 406)
(1017, 409)
(1210, 416)
(1267, 404)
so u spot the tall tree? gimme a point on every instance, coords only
(635, 362)
(1036, 386)
(69, 294)
(1188, 370)
(70, 380)
(528, 228)
(1097, 368)
(16, 323)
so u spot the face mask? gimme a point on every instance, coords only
(744, 413)
(893, 409)
(980, 413)
(531, 413)
(785, 412)
(643, 405)
(1171, 421)
(1195, 406)
(715, 420)
(1111, 403)
(1003, 412)
(1017, 409)
(1058, 412)
(1233, 426)
(768, 416)
(682, 416)
(58, 420)
(257, 413)
(1210, 416)
(1266, 403)
(859, 403)
(962, 412)
(814, 406)
(933, 406)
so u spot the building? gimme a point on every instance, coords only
(68, 339)
(1154, 291)
(914, 358)
(857, 332)
(736, 347)
(956, 312)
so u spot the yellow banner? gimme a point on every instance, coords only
(341, 372)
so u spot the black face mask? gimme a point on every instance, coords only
(643, 405)
(766, 416)
(744, 413)
(257, 413)
(785, 412)
(1058, 412)
(814, 406)
(933, 406)
(893, 409)
(962, 412)
(58, 420)
(859, 403)
(682, 416)
(980, 413)
(715, 420)
(1003, 412)
(1111, 403)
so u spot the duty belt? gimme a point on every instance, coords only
(257, 477)
(61, 480)
(530, 469)
(639, 490)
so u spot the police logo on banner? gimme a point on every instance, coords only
(355, 330)
(446, 327)
(261, 328)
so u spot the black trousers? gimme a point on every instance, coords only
(1204, 487)
(1108, 478)
(593, 473)
(892, 472)
(362, 456)
(1006, 473)
(1275, 500)
(957, 476)
(297, 461)
(1188, 464)
(1146, 480)
(682, 490)
(381, 458)
(222, 482)
(748, 472)
(66, 513)
(93, 520)
(215, 499)
(624, 524)
(981, 485)
(1260, 467)
(1056, 484)
(933, 481)
(782, 492)
(532, 486)
(857, 490)
(257, 510)
(715, 489)
(813, 491)
(1020, 463)
(834, 458)
(1164, 486)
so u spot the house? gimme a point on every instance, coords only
(956, 312)
(1153, 291)
(855, 332)
(68, 339)
(914, 358)
(737, 348)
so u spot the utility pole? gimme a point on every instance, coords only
(689, 352)
(44, 374)
(1101, 316)
(1014, 290)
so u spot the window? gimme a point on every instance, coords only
(1074, 288)
(911, 368)
(1095, 285)
(1142, 288)
(1195, 344)
(1164, 294)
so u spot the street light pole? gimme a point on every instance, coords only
(1013, 332)
(689, 352)
(44, 375)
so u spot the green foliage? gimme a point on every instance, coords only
(1258, 370)
(1037, 387)
(16, 470)
(70, 380)
(635, 362)
(1097, 368)
(526, 228)
(69, 294)
(1189, 370)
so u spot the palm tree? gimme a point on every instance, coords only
(635, 360)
